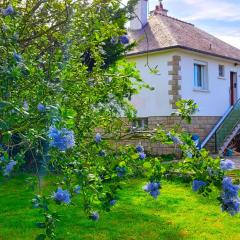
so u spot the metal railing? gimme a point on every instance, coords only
(213, 131)
(228, 125)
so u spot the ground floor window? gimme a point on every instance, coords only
(140, 124)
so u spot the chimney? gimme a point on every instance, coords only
(141, 10)
(160, 9)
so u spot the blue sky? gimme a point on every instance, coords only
(218, 17)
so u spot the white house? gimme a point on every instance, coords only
(192, 64)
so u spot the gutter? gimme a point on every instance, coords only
(185, 48)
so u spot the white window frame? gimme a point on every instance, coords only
(223, 70)
(204, 74)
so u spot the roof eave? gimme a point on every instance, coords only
(185, 48)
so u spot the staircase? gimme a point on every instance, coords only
(226, 129)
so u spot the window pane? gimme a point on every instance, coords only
(195, 75)
(221, 71)
(198, 75)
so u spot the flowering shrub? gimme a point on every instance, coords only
(153, 189)
(227, 165)
(62, 139)
(62, 196)
(198, 185)
(62, 77)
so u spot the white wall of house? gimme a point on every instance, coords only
(213, 102)
(216, 99)
(153, 103)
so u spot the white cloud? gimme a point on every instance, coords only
(212, 9)
(234, 41)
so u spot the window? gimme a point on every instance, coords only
(221, 71)
(200, 76)
(140, 124)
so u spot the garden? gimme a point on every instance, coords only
(65, 100)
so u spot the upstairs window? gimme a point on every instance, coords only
(200, 76)
(221, 71)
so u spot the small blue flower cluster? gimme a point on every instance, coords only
(153, 188)
(41, 107)
(8, 11)
(124, 39)
(121, 171)
(140, 151)
(62, 139)
(230, 199)
(112, 202)
(197, 185)
(139, 148)
(62, 196)
(98, 138)
(227, 165)
(94, 216)
(9, 167)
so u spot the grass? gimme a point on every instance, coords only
(177, 214)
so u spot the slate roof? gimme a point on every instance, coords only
(164, 32)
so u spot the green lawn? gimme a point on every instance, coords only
(177, 214)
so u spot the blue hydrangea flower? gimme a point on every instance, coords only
(41, 107)
(112, 202)
(8, 169)
(231, 206)
(62, 139)
(230, 199)
(124, 39)
(142, 155)
(153, 189)
(8, 11)
(62, 196)
(139, 149)
(121, 171)
(102, 153)
(230, 190)
(227, 165)
(77, 189)
(198, 185)
(17, 57)
(2, 159)
(94, 216)
(98, 138)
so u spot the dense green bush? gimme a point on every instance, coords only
(63, 76)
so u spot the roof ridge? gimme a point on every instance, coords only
(176, 19)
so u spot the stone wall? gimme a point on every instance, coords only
(174, 80)
(200, 126)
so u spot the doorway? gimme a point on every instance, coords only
(233, 88)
